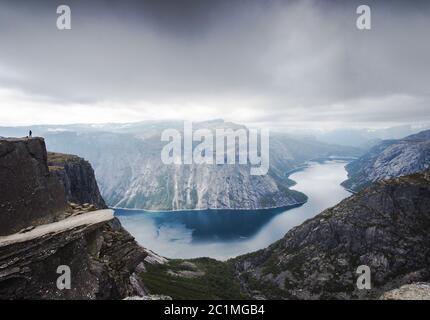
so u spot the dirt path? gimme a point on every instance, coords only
(89, 218)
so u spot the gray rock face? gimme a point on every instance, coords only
(386, 227)
(131, 174)
(391, 158)
(202, 187)
(77, 177)
(102, 256)
(414, 291)
(29, 194)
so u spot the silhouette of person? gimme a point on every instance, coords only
(30, 133)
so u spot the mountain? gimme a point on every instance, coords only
(77, 177)
(390, 158)
(366, 138)
(385, 227)
(25, 179)
(127, 163)
(129, 171)
(41, 230)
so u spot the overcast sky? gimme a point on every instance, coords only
(280, 63)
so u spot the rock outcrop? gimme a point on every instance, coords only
(77, 176)
(414, 291)
(29, 193)
(386, 227)
(389, 159)
(101, 255)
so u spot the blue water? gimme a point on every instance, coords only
(223, 234)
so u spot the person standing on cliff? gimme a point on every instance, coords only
(30, 134)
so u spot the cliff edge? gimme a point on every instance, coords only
(40, 231)
(29, 193)
(77, 177)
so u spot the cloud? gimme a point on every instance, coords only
(260, 62)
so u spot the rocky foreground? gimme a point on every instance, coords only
(41, 229)
(386, 227)
(415, 291)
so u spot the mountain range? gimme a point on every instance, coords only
(385, 227)
(52, 213)
(128, 167)
(390, 158)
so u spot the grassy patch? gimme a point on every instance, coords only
(61, 158)
(55, 168)
(218, 281)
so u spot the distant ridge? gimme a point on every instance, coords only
(388, 159)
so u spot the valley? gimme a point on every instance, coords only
(223, 234)
(317, 260)
(214, 150)
(53, 214)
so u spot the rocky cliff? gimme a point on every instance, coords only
(386, 227)
(101, 255)
(29, 193)
(413, 291)
(130, 172)
(77, 177)
(390, 158)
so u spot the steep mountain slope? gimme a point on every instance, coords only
(101, 255)
(385, 227)
(390, 158)
(25, 179)
(77, 177)
(128, 166)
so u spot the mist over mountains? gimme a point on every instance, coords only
(81, 176)
(130, 173)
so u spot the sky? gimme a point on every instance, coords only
(275, 63)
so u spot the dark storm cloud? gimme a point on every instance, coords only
(302, 59)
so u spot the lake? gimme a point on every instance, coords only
(222, 234)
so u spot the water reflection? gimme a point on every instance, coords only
(205, 225)
(226, 233)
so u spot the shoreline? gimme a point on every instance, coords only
(267, 226)
(286, 207)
